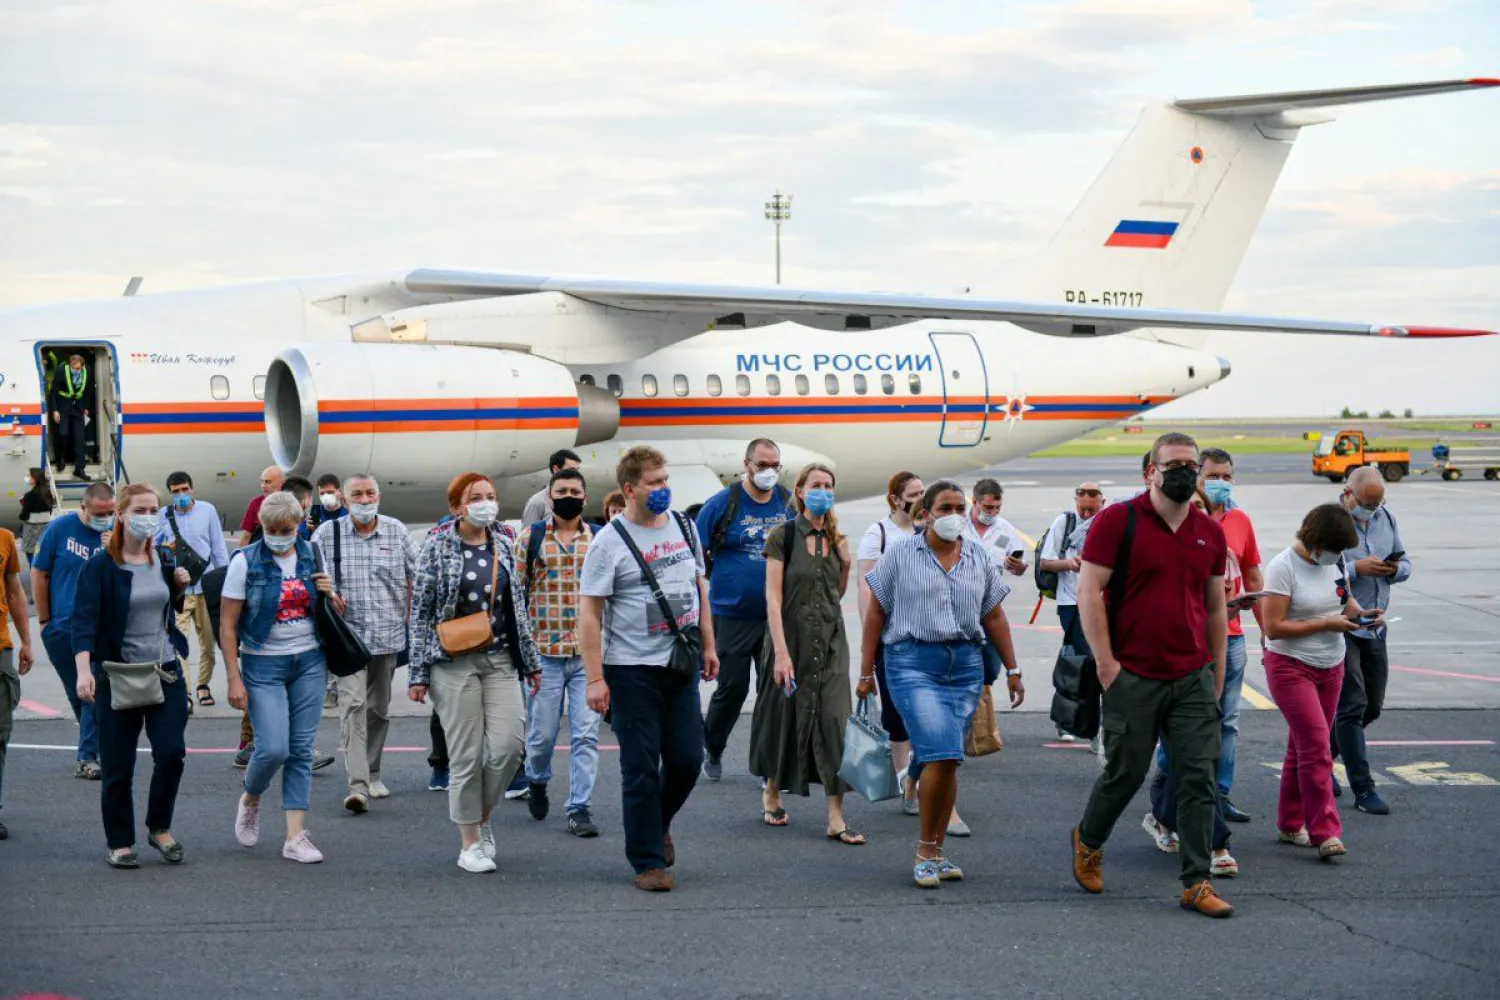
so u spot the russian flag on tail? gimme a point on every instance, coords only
(1142, 234)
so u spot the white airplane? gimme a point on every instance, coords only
(416, 376)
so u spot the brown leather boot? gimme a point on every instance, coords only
(656, 880)
(1088, 866)
(1205, 900)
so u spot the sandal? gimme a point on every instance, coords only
(123, 858)
(205, 696)
(848, 836)
(774, 817)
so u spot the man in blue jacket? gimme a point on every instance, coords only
(734, 525)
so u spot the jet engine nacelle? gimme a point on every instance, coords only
(417, 414)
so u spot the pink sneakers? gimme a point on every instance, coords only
(301, 850)
(247, 823)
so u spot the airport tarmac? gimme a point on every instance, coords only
(774, 913)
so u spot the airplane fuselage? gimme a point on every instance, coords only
(182, 379)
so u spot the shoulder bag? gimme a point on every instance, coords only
(187, 557)
(138, 685)
(687, 643)
(343, 650)
(473, 633)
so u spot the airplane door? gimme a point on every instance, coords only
(966, 393)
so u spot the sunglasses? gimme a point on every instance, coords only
(1088, 493)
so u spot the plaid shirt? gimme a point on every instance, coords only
(374, 578)
(552, 590)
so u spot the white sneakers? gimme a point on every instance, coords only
(378, 789)
(247, 823)
(301, 850)
(1165, 842)
(356, 802)
(474, 859)
(487, 840)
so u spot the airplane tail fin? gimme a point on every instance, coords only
(1167, 222)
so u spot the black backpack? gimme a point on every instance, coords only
(1046, 580)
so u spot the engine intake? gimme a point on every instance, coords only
(419, 413)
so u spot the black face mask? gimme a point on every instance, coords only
(1179, 484)
(567, 508)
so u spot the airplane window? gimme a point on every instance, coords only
(585, 380)
(802, 385)
(260, 387)
(831, 384)
(648, 385)
(219, 387)
(617, 385)
(887, 385)
(679, 385)
(861, 385)
(715, 386)
(914, 383)
(742, 385)
(773, 385)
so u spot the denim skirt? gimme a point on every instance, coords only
(935, 686)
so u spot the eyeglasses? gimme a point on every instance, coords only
(1194, 467)
(1088, 493)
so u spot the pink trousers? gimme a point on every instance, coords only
(1307, 697)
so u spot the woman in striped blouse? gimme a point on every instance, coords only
(937, 602)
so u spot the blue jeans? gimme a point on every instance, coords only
(286, 702)
(59, 646)
(563, 675)
(935, 687)
(1229, 702)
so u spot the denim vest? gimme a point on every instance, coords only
(263, 590)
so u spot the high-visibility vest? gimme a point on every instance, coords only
(69, 390)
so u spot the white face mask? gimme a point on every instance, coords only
(364, 513)
(949, 526)
(482, 513)
(280, 543)
(1328, 558)
(988, 520)
(766, 479)
(330, 501)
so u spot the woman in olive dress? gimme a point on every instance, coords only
(802, 706)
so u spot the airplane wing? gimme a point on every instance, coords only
(723, 306)
(1255, 105)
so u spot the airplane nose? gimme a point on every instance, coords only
(1224, 369)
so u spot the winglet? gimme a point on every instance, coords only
(1255, 105)
(1433, 332)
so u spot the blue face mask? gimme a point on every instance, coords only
(182, 501)
(101, 524)
(659, 500)
(818, 502)
(1219, 491)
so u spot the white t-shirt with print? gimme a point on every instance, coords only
(292, 630)
(634, 630)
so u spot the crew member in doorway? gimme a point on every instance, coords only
(71, 408)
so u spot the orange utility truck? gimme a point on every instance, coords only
(1339, 453)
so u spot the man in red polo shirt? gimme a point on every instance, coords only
(1157, 630)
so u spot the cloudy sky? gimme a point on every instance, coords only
(931, 145)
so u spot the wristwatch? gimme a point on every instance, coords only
(1013, 673)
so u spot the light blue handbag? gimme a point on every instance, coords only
(867, 766)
